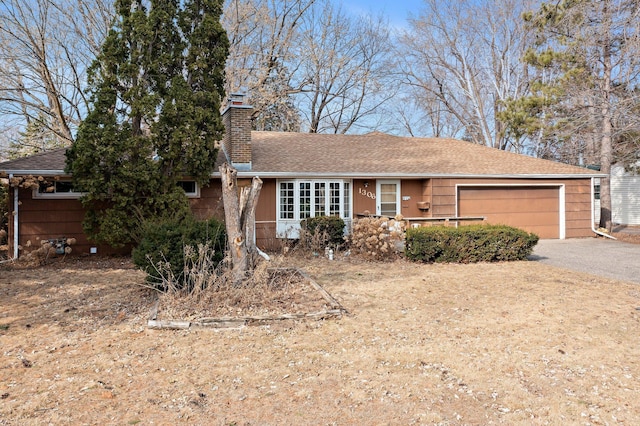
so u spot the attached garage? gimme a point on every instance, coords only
(535, 209)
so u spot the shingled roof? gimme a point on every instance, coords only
(277, 154)
(44, 163)
(381, 155)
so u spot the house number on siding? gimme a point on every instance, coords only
(366, 193)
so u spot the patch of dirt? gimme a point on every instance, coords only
(627, 233)
(626, 237)
(514, 343)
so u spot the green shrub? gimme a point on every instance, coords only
(164, 244)
(467, 244)
(322, 231)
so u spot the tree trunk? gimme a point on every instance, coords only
(239, 212)
(606, 146)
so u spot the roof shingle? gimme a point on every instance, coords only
(370, 155)
(385, 155)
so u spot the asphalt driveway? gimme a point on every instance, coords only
(597, 256)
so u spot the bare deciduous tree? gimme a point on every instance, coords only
(464, 56)
(345, 69)
(47, 47)
(263, 35)
(308, 60)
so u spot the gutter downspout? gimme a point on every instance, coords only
(593, 207)
(16, 203)
(15, 223)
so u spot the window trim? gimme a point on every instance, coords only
(71, 195)
(289, 227)
(196, 193)
(398, 202)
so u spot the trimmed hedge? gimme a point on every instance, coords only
(164, 242)
(328, 229)
(468, 244)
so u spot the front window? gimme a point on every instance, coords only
(334, 198)
(346, 202)
(305, 200)
(56, 189)
(320, 199)
(287, 204)
(301, 199)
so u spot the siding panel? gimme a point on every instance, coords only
(625, 199)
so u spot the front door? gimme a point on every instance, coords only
(388, 198)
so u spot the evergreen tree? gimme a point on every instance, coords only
(37, 137)
(582, 106)
(156, 90)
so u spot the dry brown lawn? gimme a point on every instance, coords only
(517, 344)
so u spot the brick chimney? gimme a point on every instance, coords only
(237, 137)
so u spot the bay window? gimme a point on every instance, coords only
(300, 199)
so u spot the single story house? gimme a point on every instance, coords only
(426, 180)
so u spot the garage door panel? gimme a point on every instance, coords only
(545, 218)
(501, 193)
(511, 206)
(534, 209)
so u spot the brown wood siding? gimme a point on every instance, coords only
(46, 218)
(363, 203)
(578, 209)
(209, 204)
(413, 189)
(427, 196)
(266, 217)
(534, 209)
(364, 197)
(443, 198)
(266, 210)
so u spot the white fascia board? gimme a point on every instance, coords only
(37, 172)
(301, 175)
(305, 175)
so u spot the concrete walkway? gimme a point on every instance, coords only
(597, 256)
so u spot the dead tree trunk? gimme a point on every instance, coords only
(240, 212)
